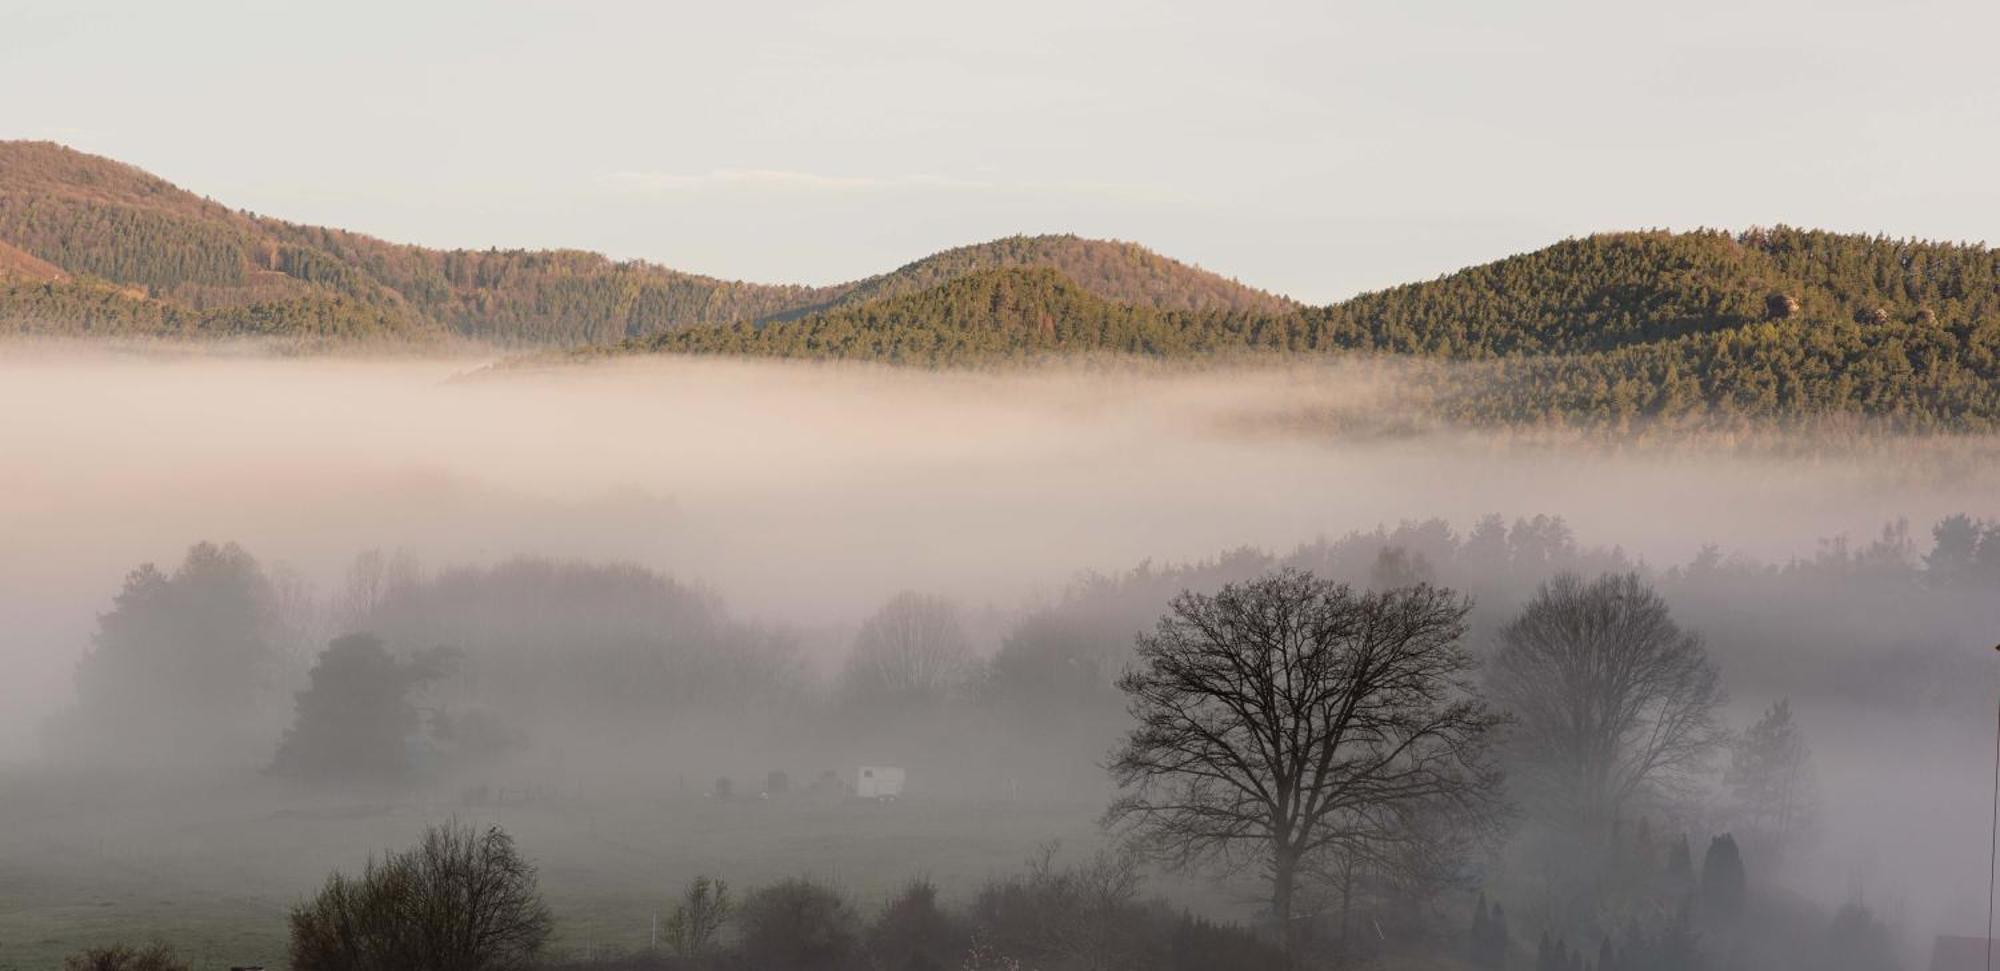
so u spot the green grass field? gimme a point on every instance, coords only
(213, 871)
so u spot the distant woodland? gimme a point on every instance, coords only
(1703, 329)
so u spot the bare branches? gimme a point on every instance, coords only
(1610, 695)
(1290, 716)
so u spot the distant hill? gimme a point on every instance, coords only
(1701, 328)
(1011, 313)
(1116, 271)
(202, 269)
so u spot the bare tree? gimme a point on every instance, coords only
(462, 900)
(1290, 719)
(371, 579)
(697, 920)
(1609, 696)
(1771, 779)
(913, 650)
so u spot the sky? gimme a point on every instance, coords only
(1317, 149)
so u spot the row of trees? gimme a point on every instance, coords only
(550, 649)
(466, 899)
(1342, 740)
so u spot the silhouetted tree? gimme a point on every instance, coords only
(913, 933)
(913, 651)
(1290, 717)
(1723, 882)
(461, 900)
(178, 666)
(698, 918)
(1770, 779)
(798, 925)
(356, 717)
(1610, 695)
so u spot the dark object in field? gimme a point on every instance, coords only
(777, 783)
(724, 789)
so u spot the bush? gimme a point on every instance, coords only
(798, 924)
(698, 918)
(120, 957)
(461, 900)
(1080, 916)
(1199, 944)
(914, 934)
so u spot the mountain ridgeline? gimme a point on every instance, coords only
(1705, 328)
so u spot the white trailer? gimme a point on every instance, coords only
(878, 782)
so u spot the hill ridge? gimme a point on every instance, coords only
(110, 222)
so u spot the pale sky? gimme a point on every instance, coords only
(1316, 149)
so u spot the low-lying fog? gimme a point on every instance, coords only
(804, 496)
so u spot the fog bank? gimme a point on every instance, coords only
(804, 494)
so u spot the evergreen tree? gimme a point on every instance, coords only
(1723, 883)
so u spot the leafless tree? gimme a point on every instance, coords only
(1609, 695)
(1772, 781)
(371, 579)
(913, 650)
(462, 900)
(697, 920)
(1289, 719)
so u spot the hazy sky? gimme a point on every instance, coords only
(1308, 147)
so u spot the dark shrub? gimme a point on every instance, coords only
(798, 925)
(120, 957)
(1199, 945)
(1080, 916)
(462, 900)
(914, 934)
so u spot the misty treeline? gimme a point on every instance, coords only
(1570, 790)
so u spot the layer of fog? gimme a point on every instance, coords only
(805, 495)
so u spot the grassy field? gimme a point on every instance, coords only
(212, 870)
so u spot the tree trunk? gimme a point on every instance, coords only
(1284, 878)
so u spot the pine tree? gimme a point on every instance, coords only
(1723, 883)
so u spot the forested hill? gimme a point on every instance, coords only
(1012, 313)
(1610, 329)
(1704, 328)
(92, 246)
(1115, 271)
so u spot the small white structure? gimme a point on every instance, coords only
(878, 782)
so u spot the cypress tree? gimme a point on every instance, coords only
(1723, 884)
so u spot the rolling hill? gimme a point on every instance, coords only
(1705, 327)
(147, 257)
